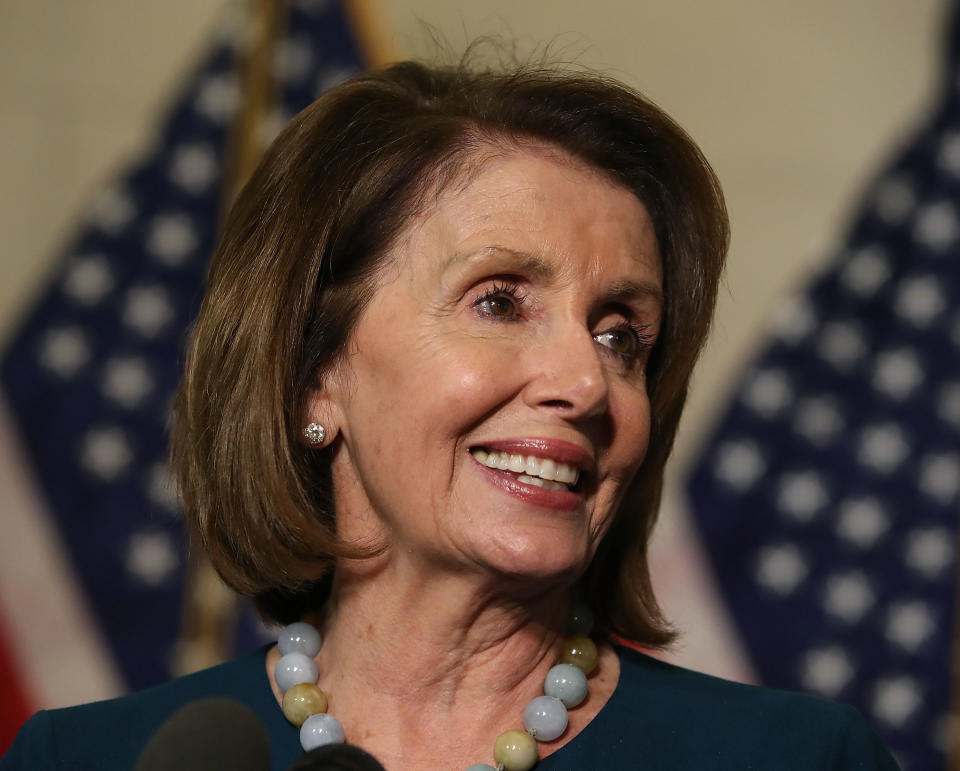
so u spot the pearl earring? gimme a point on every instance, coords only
(314, 433)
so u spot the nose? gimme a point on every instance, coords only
(568, 374)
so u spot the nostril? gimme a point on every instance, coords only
(562, 403)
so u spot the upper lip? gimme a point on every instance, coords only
(542, 447)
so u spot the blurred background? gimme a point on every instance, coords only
(829, 125)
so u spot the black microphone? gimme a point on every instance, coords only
(214, 734)
(337, 757)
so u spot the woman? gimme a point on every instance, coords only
(440, 363)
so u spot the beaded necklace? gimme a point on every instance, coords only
(544, 718)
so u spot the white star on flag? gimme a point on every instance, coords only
(147, 310)
(127, 380)
(909, 624)
(194, 167)
(65, 351)
(781, 568)
(827, 670)
(867, 270)
(842, 344)
(848, 597)
(936, 225)
(919, 300)
(862, 521)
(112, 210)
(106, 452)
(930, 551)
(802, 494)
(897, 373)
(151, 557)
(896, 699)
(739, 464)
(768, 392)
(171, 238)
(88, 279)
(882, 447)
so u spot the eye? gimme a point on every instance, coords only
(501, 301)
(628, 341)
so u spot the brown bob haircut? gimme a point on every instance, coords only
(296, 264)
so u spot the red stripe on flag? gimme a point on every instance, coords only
(15, 707)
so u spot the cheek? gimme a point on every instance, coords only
(438, 386)
(474, 383)
(627, 450)
(632, 433)
(418, 408)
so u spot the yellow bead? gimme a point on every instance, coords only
(516, 750)
(579, 651)
(303, 700)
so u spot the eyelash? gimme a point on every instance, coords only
(643, 340)
(500, 289)
(642, 337)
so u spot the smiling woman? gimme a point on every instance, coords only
(439, 367)
(505, 297)
(446, 196)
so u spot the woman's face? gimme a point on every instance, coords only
(511, 326)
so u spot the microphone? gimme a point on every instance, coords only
(337, 757)
(213, 734)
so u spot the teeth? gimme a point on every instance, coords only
(548, 469)
(544, 483)
(531, 467)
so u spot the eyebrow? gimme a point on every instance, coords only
(520, 261)
(627, 289)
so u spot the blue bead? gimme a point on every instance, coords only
(299, 637)
(295, 668)
(320, 729)
(581, 620)
(545, 718)
(567, 683)
(481, 767)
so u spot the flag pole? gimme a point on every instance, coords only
(244, 143)
(952, 728)
(365, 19)
(210, 608)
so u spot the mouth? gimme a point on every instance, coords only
(537, 471)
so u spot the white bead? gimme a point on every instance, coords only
(545, 718)
(299, 637)
(320, 729)
(295, 668)
(567, 683)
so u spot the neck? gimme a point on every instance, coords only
(473, 642)
(426, 671)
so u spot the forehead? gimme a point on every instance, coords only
(536, 200)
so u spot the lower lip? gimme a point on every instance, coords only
(565, 500)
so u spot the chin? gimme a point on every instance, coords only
(528, 557)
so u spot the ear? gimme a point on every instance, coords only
(322, 420)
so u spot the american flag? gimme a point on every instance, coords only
(827, 500)
(92, 561)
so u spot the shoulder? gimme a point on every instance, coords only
(678, 718)
(110, 734)
(771, 728)
(694, 693)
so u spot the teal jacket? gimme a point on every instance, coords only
(660, 718)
